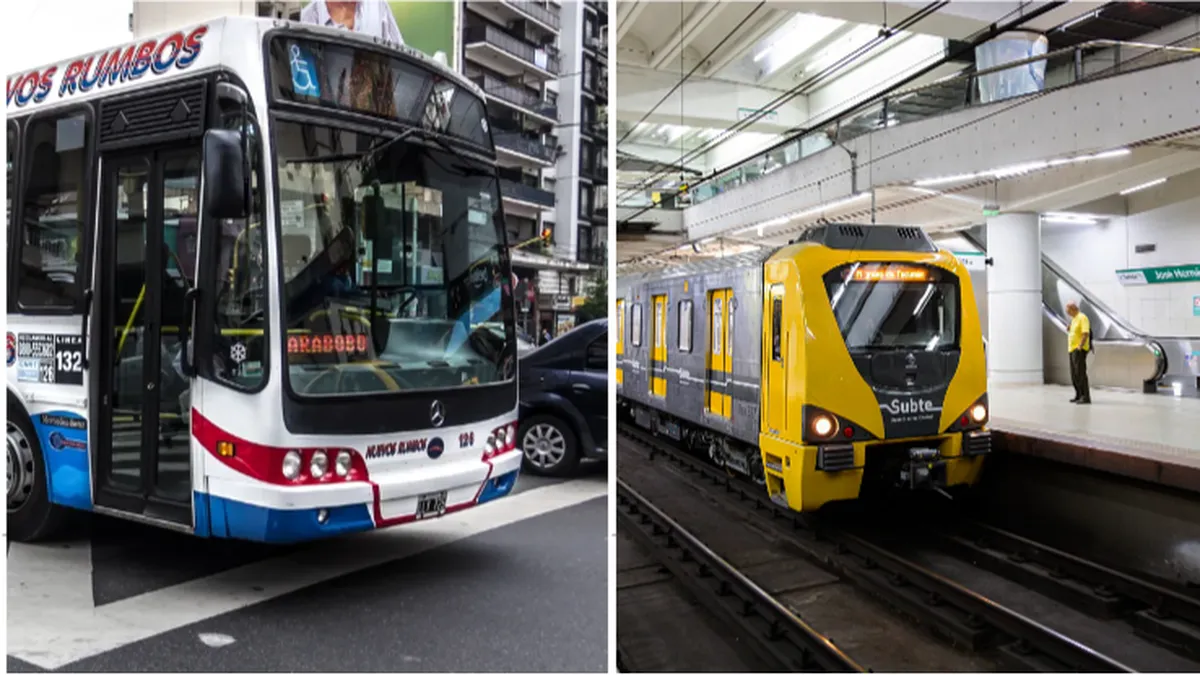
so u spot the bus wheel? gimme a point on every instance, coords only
(31, 516)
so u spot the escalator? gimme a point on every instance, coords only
(1123, 357)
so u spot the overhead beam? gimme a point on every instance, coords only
(625, 24)
(699, 19)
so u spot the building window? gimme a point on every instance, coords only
(56, 195)
(585, 200)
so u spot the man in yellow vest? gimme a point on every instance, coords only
(1079, 343)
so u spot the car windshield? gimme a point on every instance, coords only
(394, 262)
(894, 306)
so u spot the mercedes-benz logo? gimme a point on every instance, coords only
(437, 414)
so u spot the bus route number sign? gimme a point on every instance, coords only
(46, 358)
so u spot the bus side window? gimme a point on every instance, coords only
(241, 340)
(11, 196)
(52, 221)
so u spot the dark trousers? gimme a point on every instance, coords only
(1079, 378)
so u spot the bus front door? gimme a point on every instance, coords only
(140, 397)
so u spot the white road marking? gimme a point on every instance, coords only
(217, 640)
(57, 625)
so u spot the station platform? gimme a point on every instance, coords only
(1155, 438)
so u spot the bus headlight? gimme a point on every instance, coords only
(823, 426)
(342, 466)
(319, 464)
(978, 412)
(291, 465)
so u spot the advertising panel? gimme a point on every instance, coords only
(425, 26)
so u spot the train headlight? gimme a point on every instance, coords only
(978, 412)
(319, 465)
(823, 426)
(291, 465)
(342, 466)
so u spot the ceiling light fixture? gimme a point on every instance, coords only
(1020, 169)
(1143, 186)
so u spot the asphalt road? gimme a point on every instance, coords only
(517, 585)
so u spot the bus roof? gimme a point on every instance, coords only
(171, 54)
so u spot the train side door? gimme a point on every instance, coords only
(620, 349)
(775, 389)
(720, 360)
(658, 347)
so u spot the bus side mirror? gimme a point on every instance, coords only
(224, 174)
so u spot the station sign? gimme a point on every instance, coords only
(1171, 274)
(974, 261)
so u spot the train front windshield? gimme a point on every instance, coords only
(881, 306)
(394, 257)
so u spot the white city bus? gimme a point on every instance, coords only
(258, 287)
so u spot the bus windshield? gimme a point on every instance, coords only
(394, 259)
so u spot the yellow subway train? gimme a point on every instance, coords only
(850, 359)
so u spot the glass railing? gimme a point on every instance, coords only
(596, 255)
(526, 145)
(1085, 62)
(526, 193)
(536, 10)
(512, 45)
(518, 96)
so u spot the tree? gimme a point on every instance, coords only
(595, 305)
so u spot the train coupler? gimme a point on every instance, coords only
(925, 469)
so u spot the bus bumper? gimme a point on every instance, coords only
(283, 515)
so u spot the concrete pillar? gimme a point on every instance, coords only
(1014, 242)
(566, 171)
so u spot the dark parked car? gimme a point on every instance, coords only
(564, 400)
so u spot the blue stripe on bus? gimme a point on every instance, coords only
(65, 454)
(498, 487)
(229, 518)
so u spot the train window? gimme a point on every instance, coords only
(56, 194)
(887, 305)
(777, 329)
(685, 325)
(636, 329)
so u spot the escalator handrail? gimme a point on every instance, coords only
(1092, 300)
(1151, 344)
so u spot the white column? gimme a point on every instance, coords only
(1014, 242)
(566, 171)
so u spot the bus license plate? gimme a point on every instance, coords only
(431, 505)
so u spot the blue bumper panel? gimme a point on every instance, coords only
(63, 437)
(227, 518)
(498, 487)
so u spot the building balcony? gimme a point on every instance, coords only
(507, 54)
(537, 11)
(526, 194)
(519, 98)
(526, 146)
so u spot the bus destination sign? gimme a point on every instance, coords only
(124, 64)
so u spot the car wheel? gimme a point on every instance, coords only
(549, 446)
(31, 516)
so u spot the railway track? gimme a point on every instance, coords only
(966, 617)
(781, 636)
